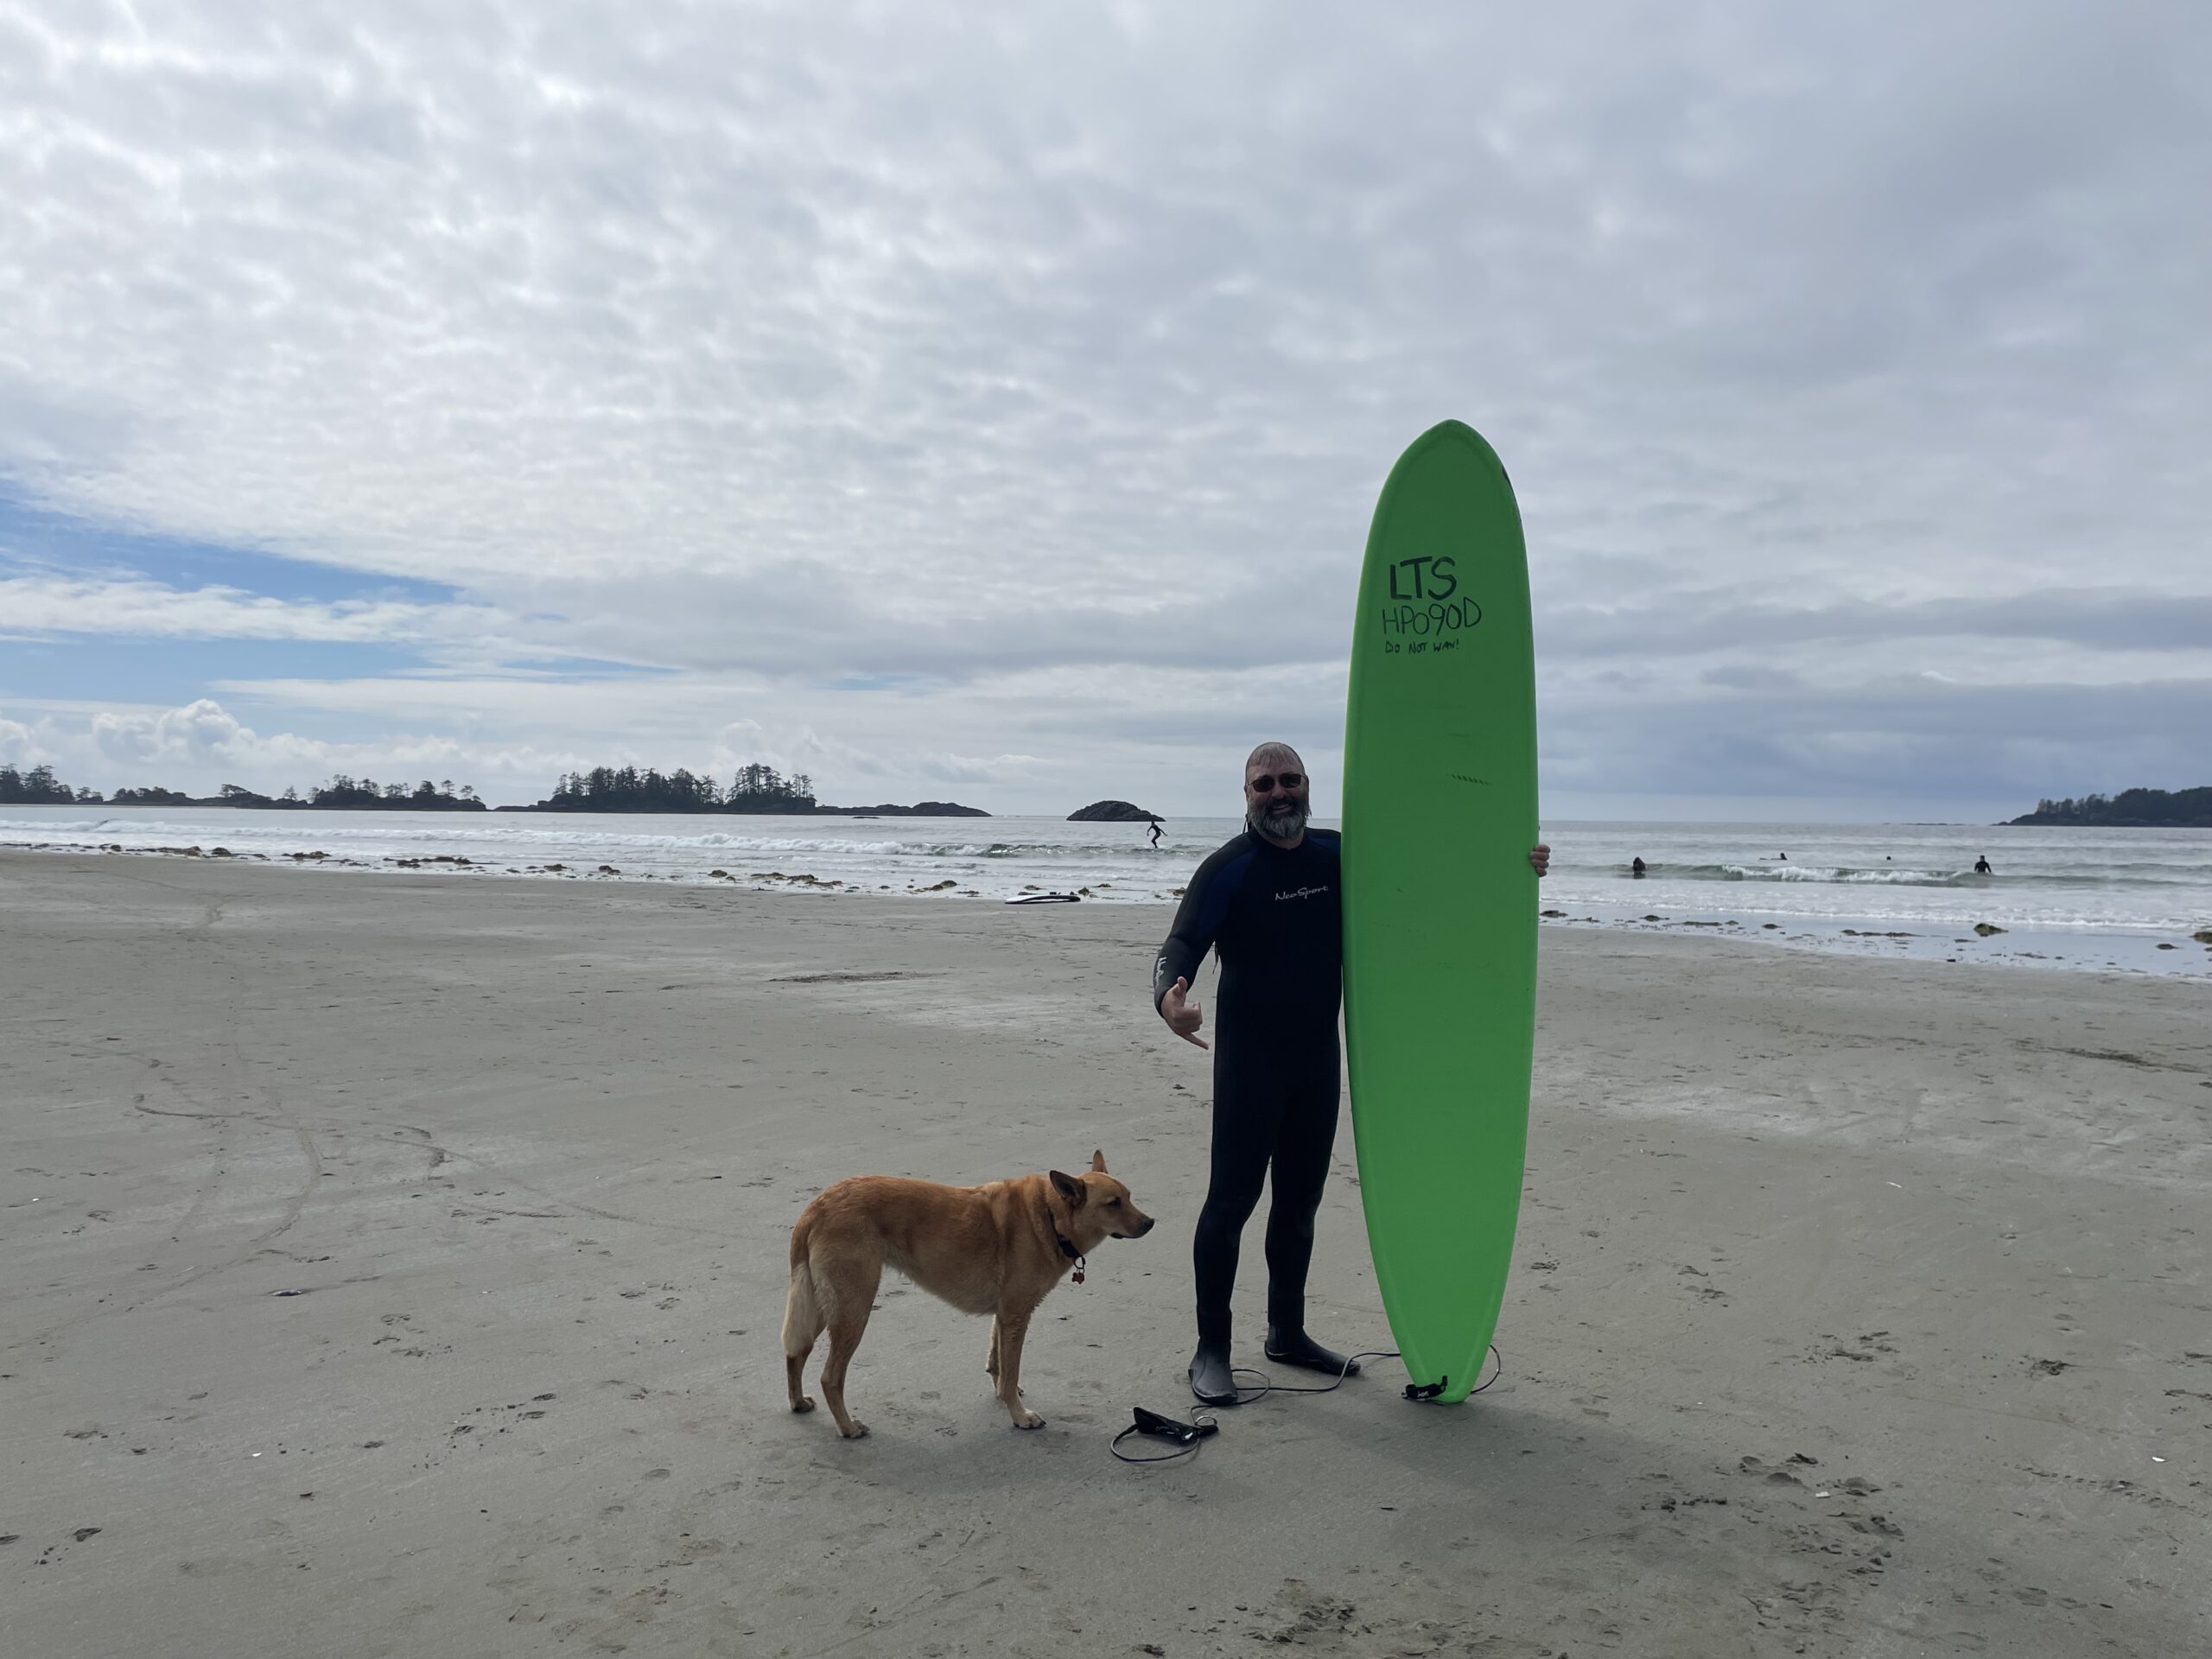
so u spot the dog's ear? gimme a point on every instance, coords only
(1098, 1163)
(1069, 1188)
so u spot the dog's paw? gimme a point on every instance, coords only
(1026, 1419)
(856, 1430)
(804, 1402)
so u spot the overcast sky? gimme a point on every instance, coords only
(988, 402)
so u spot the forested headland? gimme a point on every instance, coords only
(752, 789)
(2132, 809)
(38, 787)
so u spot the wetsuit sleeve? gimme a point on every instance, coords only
(1198, 919)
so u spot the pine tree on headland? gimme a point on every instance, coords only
(37, 787)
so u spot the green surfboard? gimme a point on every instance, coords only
(1440, 904)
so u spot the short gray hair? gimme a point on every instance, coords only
(1272, 754)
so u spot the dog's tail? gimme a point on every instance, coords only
(802, 1318)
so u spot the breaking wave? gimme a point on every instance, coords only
(1889, 875)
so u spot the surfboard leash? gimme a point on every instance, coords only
(1269, 1385)
(1421, 1391)
(1187, 1436)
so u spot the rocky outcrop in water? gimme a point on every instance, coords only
(1111, 812)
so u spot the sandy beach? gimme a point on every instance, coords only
(392, 1265)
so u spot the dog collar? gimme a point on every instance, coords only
(1066, 1248)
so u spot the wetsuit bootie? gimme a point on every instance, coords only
(1296, 1348)
(1210, 1378)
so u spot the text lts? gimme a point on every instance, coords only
(1431, 576)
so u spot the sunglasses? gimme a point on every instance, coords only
(1264, 785)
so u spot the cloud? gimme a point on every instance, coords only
(1036, 370)
(1751, 676)
(974, 295)
(512, 738)
(201, 745)
(138, 608)
(1894, 740)
(18, 746)
(200, 733)
(2128, 619)
(977, 769)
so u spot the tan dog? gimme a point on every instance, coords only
(996, 1249)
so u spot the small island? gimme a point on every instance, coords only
(755, 791)
(919, 809)
(1112, 813)
(2132, 809)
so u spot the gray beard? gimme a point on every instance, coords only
(1282, 826)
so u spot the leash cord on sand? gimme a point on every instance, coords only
(1203, 1425)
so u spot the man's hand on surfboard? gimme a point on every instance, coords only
(1540, 860)
(1182, 1018)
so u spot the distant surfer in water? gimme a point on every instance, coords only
(1981, 866)
(1636, 869)
(1267, 902)
(1155, 834)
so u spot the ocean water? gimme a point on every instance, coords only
(2106, 900)
(2093, 899)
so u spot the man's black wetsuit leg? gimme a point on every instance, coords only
(1263, 1114)
(1306, 1131)
(1244, 1138)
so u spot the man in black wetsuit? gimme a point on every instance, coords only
(1268, 903)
